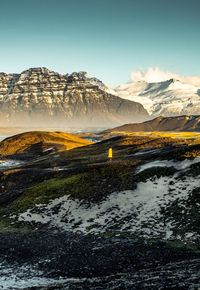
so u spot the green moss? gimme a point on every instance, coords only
(47, 190)
(180, 245)
(7, 225)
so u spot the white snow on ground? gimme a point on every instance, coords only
(166, 163)
(147, 151)
(136, 210)
(2, 137)
(9, 163)
(25, 277)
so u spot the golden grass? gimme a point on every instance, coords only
(20, 143)
(163, 134)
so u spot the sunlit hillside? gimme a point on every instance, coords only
(38, 142)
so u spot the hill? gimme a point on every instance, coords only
(177, 123)
(39, 143)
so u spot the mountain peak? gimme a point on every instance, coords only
(36, 70)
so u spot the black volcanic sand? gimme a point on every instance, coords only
(103, 262)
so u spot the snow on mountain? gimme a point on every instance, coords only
(152, 75)
(163, 93)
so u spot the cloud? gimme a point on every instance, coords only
(154, 74)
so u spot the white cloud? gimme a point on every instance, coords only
(154, 74)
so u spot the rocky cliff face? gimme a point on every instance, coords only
(39, 96)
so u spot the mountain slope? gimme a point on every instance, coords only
(168, 98)
(178, 123)
(41, 97)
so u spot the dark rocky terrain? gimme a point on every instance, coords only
(40, 97)
(127, 223)
(104, 262)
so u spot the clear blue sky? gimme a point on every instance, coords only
(107, 38)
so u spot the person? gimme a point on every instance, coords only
(110, 153)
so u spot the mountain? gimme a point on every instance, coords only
(41, 97)
(169, 97)
(178, 123)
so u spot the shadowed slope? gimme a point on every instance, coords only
(178, 123)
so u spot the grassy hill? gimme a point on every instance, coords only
(36, 143)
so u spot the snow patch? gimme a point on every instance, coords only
(9, 163)
(25, 277)
(166, 163)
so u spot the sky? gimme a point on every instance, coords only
(109, 39)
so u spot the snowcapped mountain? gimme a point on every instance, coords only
(39, 96)
(175, 95)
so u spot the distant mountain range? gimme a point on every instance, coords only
(172, 97)
(41, 97)
(178, 123)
